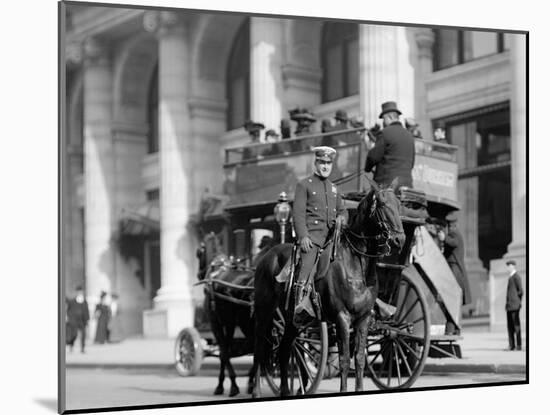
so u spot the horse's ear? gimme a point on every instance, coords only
(373, 184)
(395, 183)
(373, 204)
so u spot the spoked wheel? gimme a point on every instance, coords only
(308, 356)
(188, 352)
(397, 347)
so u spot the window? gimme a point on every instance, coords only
(340, 60)
(238, 79)
(152, 195)
(153, 113)
(483, 138)
(454, 47)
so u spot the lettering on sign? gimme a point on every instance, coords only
(427, 174)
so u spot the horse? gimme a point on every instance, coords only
(227, 305)
(347, 286)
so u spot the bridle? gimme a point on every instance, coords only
(382, 238)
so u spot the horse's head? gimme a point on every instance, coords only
(378, 216)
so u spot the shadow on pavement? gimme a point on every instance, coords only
(48, 403)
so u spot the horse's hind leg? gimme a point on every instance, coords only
(262, 325)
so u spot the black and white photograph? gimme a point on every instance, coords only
(204, 212)
(262, 207)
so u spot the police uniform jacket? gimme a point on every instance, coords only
(393, 156)
(514, 293)
(317, 203)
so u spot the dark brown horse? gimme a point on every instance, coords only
(348, 286)
(228, 306)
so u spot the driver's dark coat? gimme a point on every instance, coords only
(317, 203)
(392, 156)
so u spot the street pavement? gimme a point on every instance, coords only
(93, 388)
(482, 352)
(140, 371)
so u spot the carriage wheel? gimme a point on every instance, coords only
(308, 357)
(397, 347)
(188, 352)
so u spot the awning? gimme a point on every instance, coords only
(142, 220)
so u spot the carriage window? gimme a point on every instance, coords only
(259, 239)
(153, 114)
(239, 236)
(238, 79)
(340, 60)
(455, 47)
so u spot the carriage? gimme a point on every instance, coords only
(417, 281)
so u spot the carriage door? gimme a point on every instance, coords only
(152, 268)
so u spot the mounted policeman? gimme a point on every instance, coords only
(391, 149)
(317, 208)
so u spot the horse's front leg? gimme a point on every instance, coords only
(220, 338)
(343, 321)
(361, 332)
(230, 331)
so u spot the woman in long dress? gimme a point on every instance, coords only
(103, 315)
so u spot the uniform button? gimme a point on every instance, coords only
(316, 222)
(334, 209)
(314, 193)
(315, 207)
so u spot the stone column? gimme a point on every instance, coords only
(266, 84)
(518, 117)
(98, 169)
(518, 140)
(424, 40)
(385, 71)
(173, 304)
(464, 136)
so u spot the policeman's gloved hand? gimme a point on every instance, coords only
(306, 244)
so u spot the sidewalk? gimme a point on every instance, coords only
(482, 351)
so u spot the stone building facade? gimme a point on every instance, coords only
(153, 98)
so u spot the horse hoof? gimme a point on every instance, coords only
(250, 389)
(234, 391)
(218, 390)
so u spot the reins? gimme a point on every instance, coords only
(384, 235)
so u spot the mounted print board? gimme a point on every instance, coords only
(190, 147)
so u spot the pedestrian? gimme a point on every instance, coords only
(440, 135)
(317, 208)
(115, 332)
(453, 250)
(103, 315)
(514, 295)
(78, 316)
(412, 126)
(392, 155)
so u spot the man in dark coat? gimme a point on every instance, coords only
(392, 155)
(77, 317)
(317, 207)
(514, 294)
(453, 250)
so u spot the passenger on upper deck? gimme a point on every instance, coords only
(392, 155)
